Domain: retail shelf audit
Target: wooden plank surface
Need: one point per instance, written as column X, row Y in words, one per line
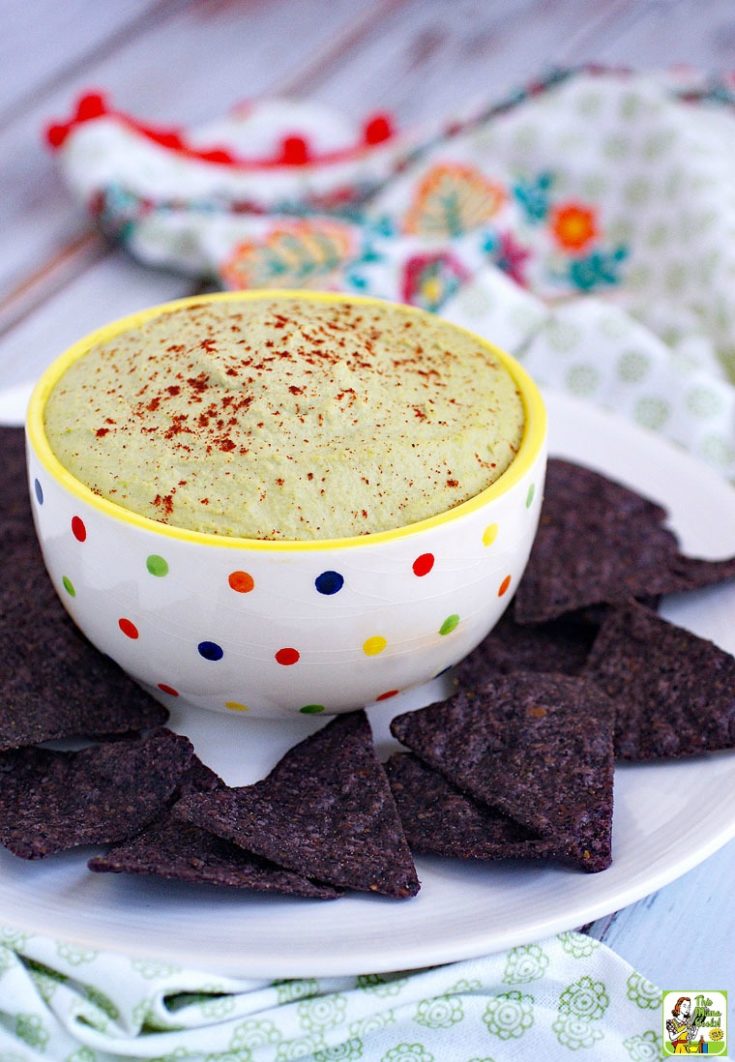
column 189, row 60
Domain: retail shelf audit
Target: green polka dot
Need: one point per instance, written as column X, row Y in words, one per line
column 68, row 586
column 583, row 379
column 156, row 565
column 312, row 709
column 652, row 412
column 658, row 234
column 637, row 191
column 449, row 624
column 529, row 496
column 616, row 147
column 717, row 448
column 633, row 366
column 703, row 402
column 562, row 336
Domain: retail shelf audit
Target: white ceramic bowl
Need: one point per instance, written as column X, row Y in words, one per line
column 274, row 628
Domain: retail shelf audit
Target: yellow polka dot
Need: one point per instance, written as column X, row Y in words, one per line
column 235, row 706
column 374, row 645
column 489, row 534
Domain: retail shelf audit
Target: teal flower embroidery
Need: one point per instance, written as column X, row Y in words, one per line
column 524, row 964
column 440, row 1013
column 509, row 1015
column 322, row 1013
column 644, row 1048
column 408, row 1053
column 585, row 999
column 251, row 1034
column 597, row 270
column 641, row 992
column 288, row 991
column 532, row 196
column 574, row 1032
column 30, row 1029
column 346, row 1052
column 577, row 944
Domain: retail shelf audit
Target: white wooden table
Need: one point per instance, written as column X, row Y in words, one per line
column 190, row 60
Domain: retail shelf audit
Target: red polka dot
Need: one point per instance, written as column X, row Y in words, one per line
column 423, row 564
column 504, row 586
column 78, row 529
column 288, row 656
column 168, row 689
column 129, row 629
column 242, row 582
column 386, row 696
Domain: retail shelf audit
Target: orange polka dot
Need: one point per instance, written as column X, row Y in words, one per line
column 241, row 582
column 503, row 588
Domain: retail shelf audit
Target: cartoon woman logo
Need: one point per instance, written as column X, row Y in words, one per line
column 682, row 1030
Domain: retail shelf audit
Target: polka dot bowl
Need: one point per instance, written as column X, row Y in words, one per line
column 277, row 628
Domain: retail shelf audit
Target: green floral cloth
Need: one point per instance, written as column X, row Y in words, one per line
column 566, row 996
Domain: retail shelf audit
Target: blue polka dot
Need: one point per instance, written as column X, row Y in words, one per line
column 443, row 671
column 210, row 650
column 39, row 491
column 329, row 582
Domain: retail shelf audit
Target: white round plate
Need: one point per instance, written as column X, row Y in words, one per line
column 668, row 816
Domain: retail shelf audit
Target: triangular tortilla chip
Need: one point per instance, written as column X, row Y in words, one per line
column 674, row 692
column 51, row 801
column 536, row 747
column 175, row 850
column 325, row 810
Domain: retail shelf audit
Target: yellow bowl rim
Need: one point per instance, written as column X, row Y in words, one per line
column 532, row 441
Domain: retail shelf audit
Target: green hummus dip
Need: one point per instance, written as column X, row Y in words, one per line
column 283, row 418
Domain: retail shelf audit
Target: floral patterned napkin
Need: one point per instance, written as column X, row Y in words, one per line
column 585, row 223
column 539, row 1001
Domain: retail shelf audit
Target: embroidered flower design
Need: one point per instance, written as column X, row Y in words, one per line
column 287, row 991
column 509, row 1015
column 573, row 225
column 577, row 944
column 525, row 964
column 584, row 998
column 440, row 1013
column 574, row 1032
column 430, row 279
column 644, row 1048
column 301, row 253
column 30, row 1029
column 252, row 1033
column 408, row 1053
column 381, row 984
column 322, row 1012
column 599, row 269
column 346, row 1052
column 532, row 196
column 452, row 199
column 377, row 1021
column 642, row 992
column 507, row 254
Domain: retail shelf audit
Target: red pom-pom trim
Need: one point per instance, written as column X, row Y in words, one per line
column 294, row 151
column 377, row 129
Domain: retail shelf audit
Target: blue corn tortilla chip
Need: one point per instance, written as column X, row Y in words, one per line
column 51, row 801
column 325, row 811
column 438, row 819
column 561, row 646
column 537, row 747
column 674, row 692
column 601, row 543
column 175, row 850
column 55, row 684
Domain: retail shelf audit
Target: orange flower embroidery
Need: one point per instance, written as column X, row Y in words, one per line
column 573, row 225
column 452, row 199
column 293, row 254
